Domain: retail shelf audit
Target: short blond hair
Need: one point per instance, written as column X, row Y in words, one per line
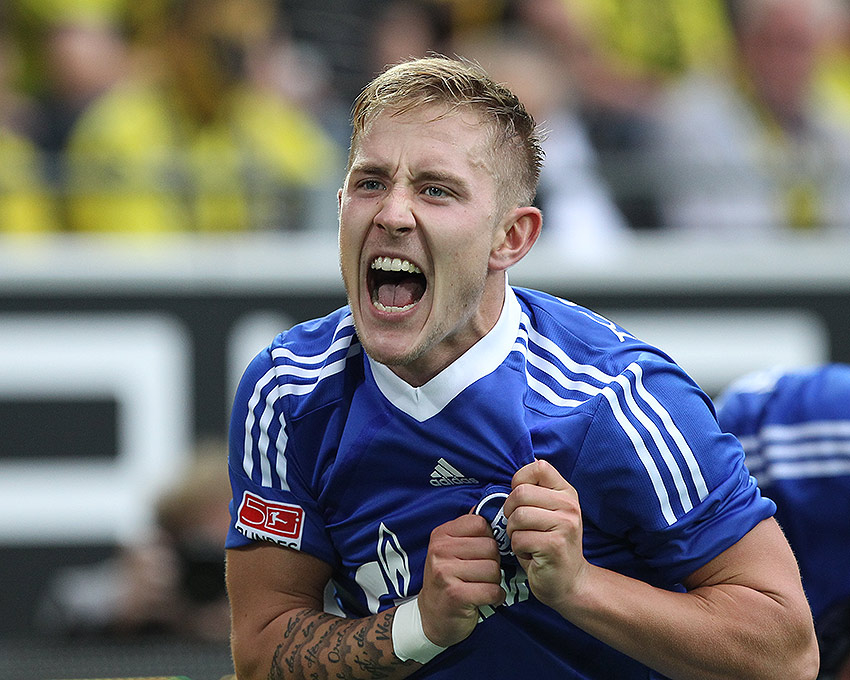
column 460, row 84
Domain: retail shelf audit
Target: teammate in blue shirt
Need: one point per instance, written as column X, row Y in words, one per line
column 794, row 426
column 451, row 477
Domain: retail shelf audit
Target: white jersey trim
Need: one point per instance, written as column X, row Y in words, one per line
column 799, row 451
column 632, row 417
column 313, row 369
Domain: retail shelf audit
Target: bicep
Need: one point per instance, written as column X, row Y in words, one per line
column 754, row 589
column 762, row 560
column 264, row 583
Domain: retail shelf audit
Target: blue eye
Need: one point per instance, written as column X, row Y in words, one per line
column 371, row 185
column 435, row 192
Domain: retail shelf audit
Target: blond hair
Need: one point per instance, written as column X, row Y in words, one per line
column 460, row 84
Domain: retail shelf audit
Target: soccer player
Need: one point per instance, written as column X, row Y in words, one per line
column 794, row 426
column 371, row 449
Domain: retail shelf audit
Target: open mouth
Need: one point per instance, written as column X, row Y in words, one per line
column 395, row 285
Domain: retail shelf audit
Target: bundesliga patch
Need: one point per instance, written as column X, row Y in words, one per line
column 264, row 520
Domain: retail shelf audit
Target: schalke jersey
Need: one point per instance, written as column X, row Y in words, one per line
column 333, row 454
column 795, row 429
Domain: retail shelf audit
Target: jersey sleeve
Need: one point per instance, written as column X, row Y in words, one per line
column 271, row 500
column 657, row 472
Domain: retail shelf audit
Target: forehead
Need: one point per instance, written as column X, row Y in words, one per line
column 430, row 135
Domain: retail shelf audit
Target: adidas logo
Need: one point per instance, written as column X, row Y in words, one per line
column 445, row 474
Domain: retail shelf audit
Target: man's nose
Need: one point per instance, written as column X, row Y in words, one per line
column 396, row 214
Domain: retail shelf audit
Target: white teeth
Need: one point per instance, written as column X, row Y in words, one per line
column 395, row 264
column 384, row 308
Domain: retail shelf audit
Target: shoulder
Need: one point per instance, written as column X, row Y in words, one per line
column 785, row 396
column 576, row 360
column 128, row 112
column 304, row 361
column 288, row 135
column 317, row 340
column 586, row 337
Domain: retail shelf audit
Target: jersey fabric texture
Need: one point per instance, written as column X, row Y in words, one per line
column 333, row 454
column 795, row 429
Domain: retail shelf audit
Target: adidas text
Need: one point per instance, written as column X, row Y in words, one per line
column 452, row 481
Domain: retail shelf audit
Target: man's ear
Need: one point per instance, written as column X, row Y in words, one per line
column 515, row 238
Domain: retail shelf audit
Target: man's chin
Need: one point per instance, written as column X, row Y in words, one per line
column 387, row 341
column 394, row 357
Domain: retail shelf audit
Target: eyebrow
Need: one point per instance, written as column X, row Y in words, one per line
column 438, row 176
column 369, row 169
column 441, row 176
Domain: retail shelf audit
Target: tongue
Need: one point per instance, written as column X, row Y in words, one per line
column 399, row 294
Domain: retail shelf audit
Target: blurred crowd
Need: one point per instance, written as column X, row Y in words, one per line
column 718, row 118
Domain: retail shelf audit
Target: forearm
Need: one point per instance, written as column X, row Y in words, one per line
column 305, row 643
column 744, row 617
column 719, row 632
column 280, row 631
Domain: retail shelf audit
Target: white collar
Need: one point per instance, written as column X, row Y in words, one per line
column 481, row 359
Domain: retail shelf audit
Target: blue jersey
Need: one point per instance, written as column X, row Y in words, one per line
column 331, row 453
column 795, row 429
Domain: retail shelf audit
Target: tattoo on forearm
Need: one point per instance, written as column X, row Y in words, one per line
column 383, row 629
column 329, row 647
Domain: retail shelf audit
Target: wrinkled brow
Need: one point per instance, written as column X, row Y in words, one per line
column 431, row 175
column 369, row 169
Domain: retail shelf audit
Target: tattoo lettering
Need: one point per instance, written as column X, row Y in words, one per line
column 276, row 672
column 329, row 647
column 360, row 637
column 383, row 630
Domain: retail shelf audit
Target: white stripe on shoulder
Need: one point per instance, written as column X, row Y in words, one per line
column 248, row 446
column 542, row 363
column 674, row 432
column 556, row 351
column 592, row 381
column 280, row 458
column 631, row 432
column 634, row 413
column 643, row 454
column 658, row 440
column 549, row 394
column 810, row 429
column 558, row 376
column 277, row 389
column 799, row 450
column 338, row 343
